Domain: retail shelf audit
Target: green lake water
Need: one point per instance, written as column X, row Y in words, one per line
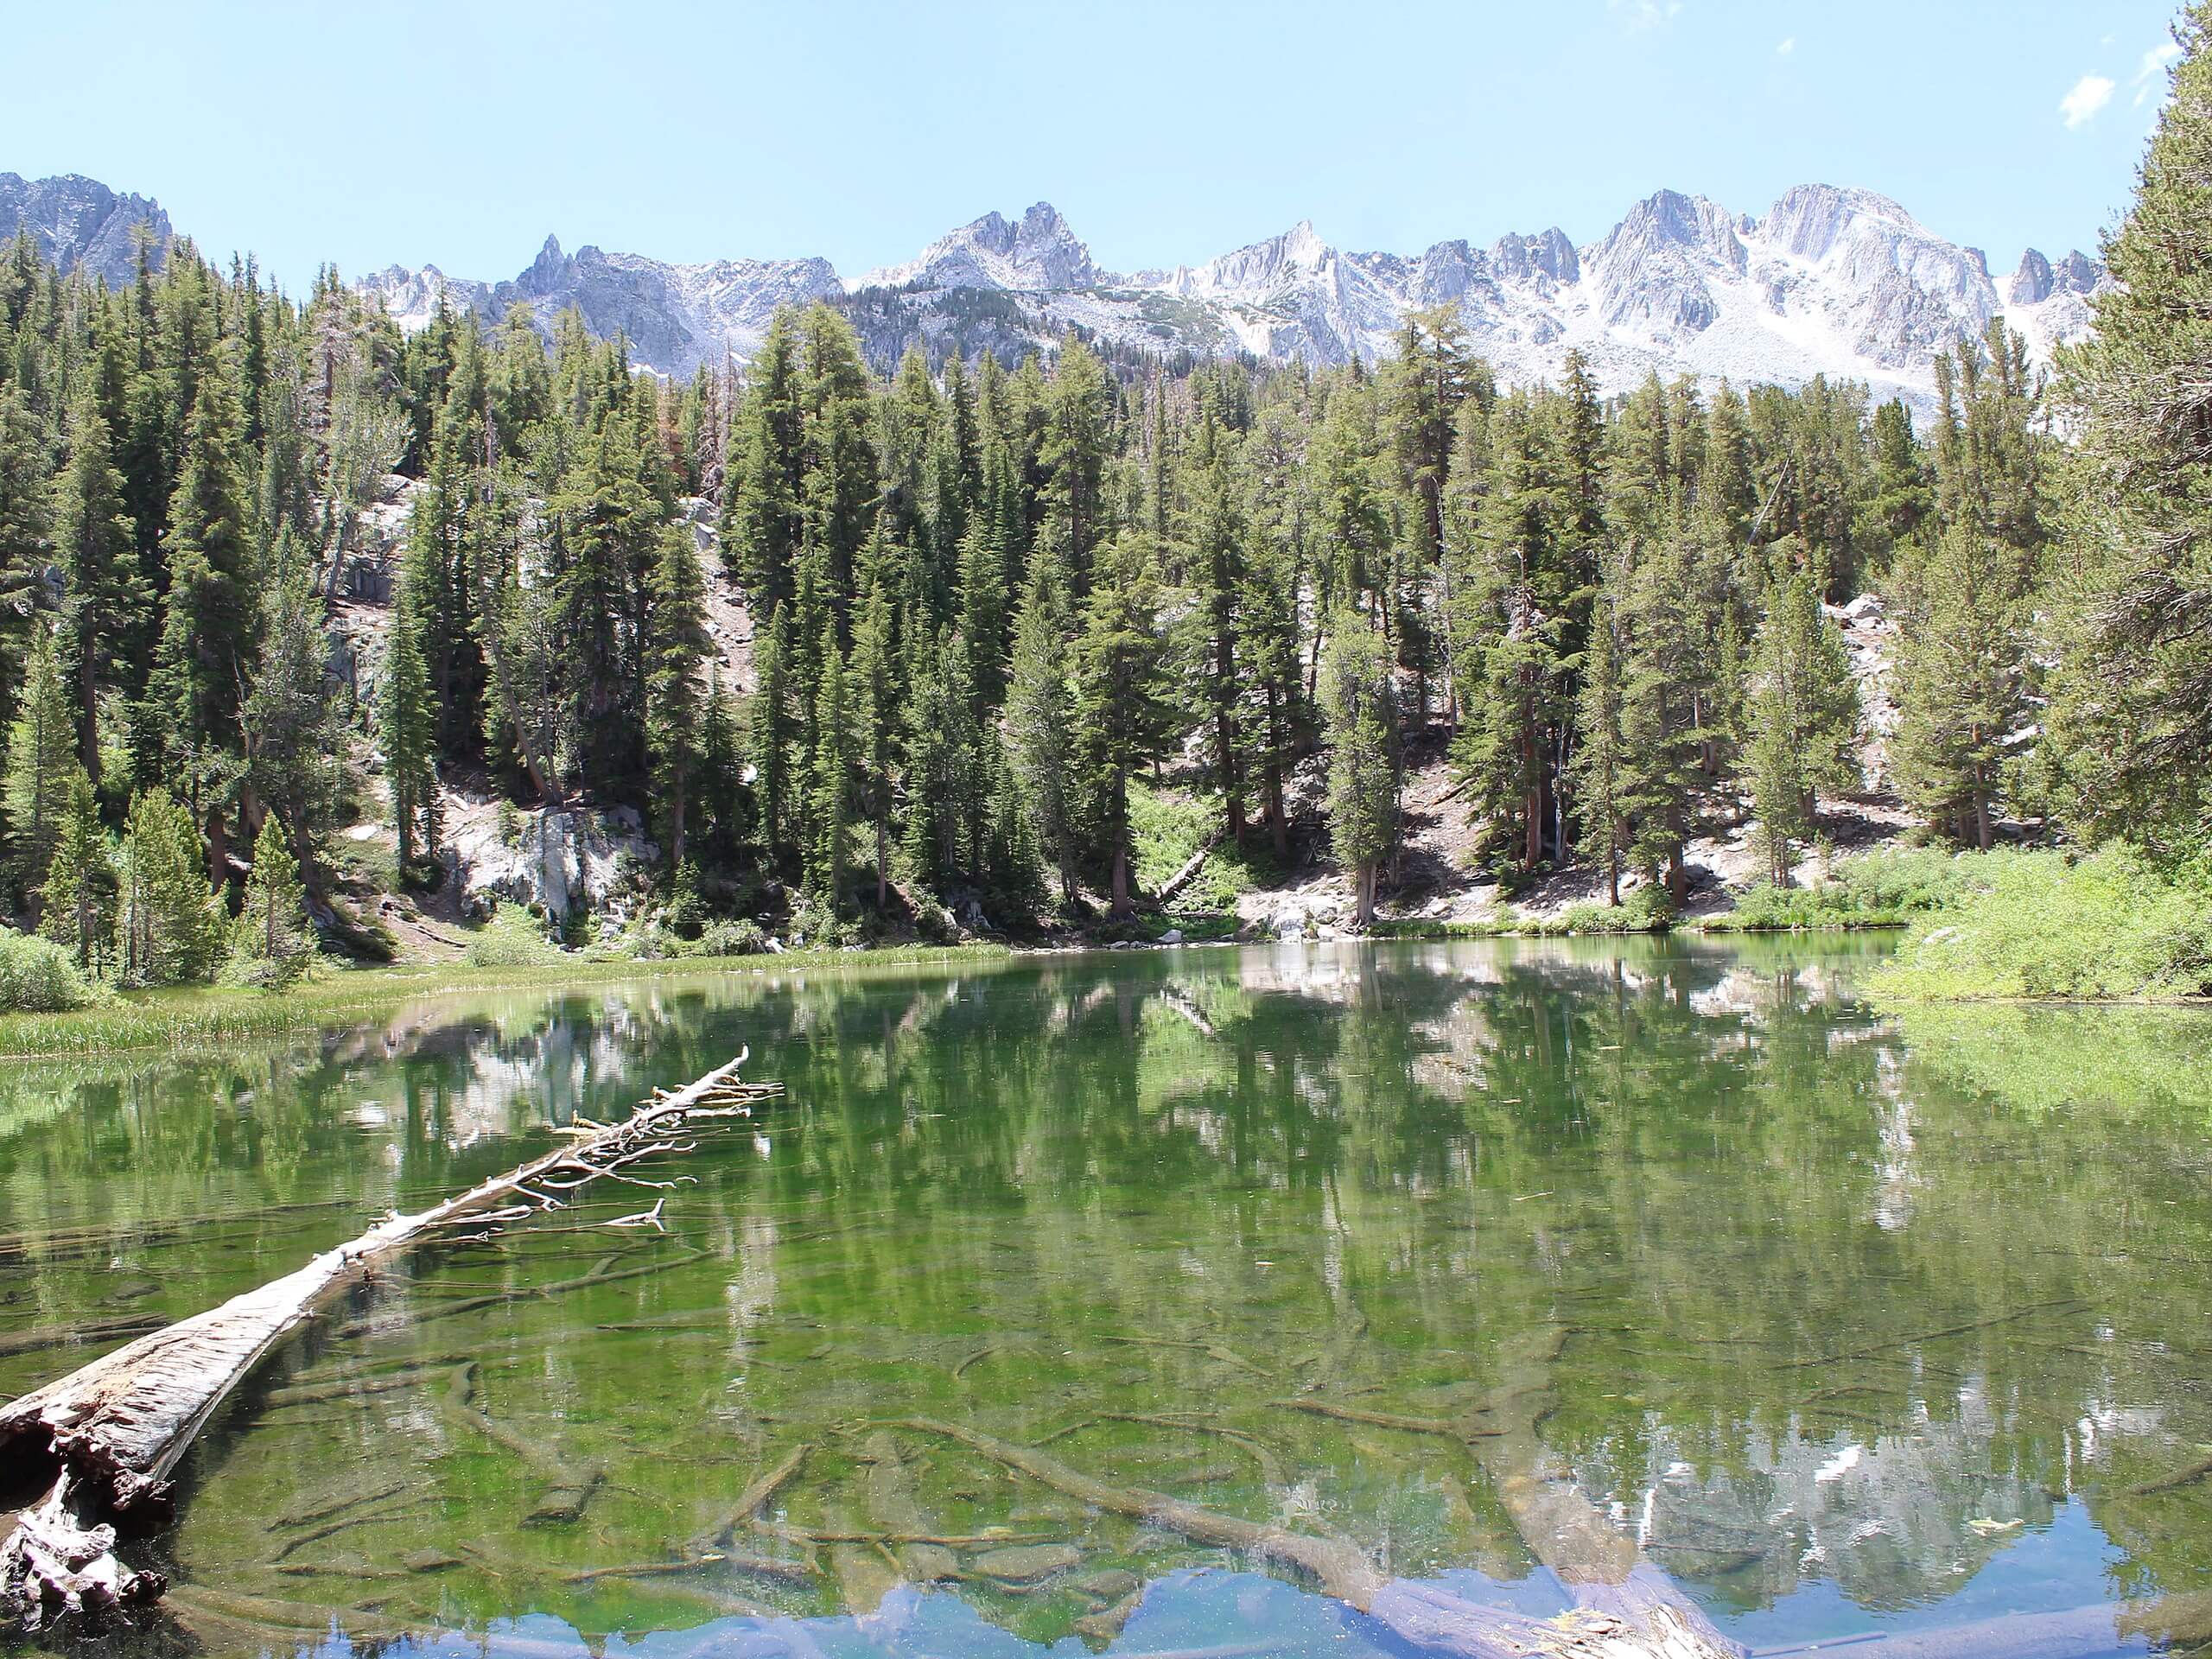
column 1854, row 1325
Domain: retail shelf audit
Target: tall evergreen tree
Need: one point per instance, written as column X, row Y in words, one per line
column 1123, row 713
column 106, row 601
column 1803, row 720
column 2135, row 577
column 41, row 762
column 1040, row 724
column 168, row 923
column 1600, row 757
column 78, row 902
column 677, row 709
column 828, row 783
column 405, row 724
column 1363, row 768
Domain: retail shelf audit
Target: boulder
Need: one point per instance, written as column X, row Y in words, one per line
column 559, row 860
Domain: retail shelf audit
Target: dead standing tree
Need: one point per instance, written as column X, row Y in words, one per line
column 114, row 1430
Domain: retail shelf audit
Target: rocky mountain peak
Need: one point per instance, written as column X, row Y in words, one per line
column 79, row 222
column 1808, row 220
column 1521, row 258
column 1038, row 253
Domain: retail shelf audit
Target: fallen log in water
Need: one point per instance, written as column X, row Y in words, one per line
column 1625, row 1608
column 1340, row 1569
column 115, row 1429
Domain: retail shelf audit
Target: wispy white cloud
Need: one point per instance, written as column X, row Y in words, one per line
column 1786, row 47
column 2090, row 94
column 1636, row 16
column 2149, row 77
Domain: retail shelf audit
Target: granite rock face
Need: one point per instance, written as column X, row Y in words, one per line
column 81, row 224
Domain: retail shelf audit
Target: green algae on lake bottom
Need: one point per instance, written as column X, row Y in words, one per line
column 1848, row 1334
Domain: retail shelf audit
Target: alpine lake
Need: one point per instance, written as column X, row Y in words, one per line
column 1859, row 1324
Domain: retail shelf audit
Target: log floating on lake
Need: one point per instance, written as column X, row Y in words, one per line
column 114, row 1430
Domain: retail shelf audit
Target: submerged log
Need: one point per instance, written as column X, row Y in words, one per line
column 1625, row 1608
column 1340, row 1569
column 115, row 1429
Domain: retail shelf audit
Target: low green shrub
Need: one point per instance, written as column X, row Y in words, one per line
column 39, row 976
column 2116, row 924
column 815, row 926
column 512, row 938
column 1645, row 911
column 733, row 937
column 1885, row 888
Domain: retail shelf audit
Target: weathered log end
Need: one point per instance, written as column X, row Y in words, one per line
column 55, row 1566
column 1432, row 1616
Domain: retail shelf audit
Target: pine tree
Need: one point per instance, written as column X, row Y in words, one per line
column 2135, row 580
column 78, row 903
column 723, row 791
column 24, row 510
column 1961, row 680
column 1041, row 732
column 1803, row 718
column 206, row 630
column 1669, row 654
column 829, row 784
column 1213, row 532
column 41, row 761
column 272, row 939
column 107, row 600
column 1362, row 736
column 1123, row 713
column 874, row 692
column 771, row 735
column 676, row 709
column 405, row 724
column 169, row 923
column 293, row 736
column 1600, row 755
column 761, row 523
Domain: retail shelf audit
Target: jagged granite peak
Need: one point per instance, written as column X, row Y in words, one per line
column 1037, row 253
column 78, row 222
column 675, row 317
column 2036, row 279
column 1654, row 270
column 1521, row 258
column 1807, row 220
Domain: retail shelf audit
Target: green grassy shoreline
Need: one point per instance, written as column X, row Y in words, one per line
column 202, row 1016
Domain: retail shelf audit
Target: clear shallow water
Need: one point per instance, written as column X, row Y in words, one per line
column 1854, row 1328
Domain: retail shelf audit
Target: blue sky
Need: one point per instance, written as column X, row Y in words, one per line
column 461, row 134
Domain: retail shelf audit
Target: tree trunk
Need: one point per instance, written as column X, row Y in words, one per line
column 218, row 850
column 1121, row 908
column 88, row 734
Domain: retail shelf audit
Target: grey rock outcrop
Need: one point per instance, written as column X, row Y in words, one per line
column 558, row 860
column 79, row 223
